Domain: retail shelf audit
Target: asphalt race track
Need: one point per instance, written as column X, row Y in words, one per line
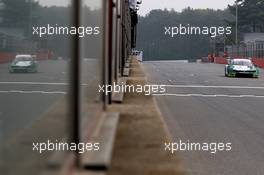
column 24, row 97
column 202, row 105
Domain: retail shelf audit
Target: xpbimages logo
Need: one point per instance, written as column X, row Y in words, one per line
column 181, row 29
column 146, row 89
column 63, row 30
column 64, row 146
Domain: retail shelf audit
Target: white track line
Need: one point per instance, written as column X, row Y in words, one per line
column 37, row 83
column 34, row 83
column 33, row 92
column 210, row 95
column 215, row 87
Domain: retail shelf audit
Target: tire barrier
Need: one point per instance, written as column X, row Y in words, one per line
column 257, row 61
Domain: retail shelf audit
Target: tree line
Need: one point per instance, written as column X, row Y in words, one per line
column 157, row 46
column 25, row 14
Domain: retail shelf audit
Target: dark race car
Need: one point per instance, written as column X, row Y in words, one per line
column 241, row 67
column 23, row 63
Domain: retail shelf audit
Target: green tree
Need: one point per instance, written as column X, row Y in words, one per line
column 250, row 15
column 157, row 45
column 19, row 13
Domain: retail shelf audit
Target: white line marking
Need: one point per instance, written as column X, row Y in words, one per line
column 35, row 83
column 167, row 61
column 39, row 83
column 216, row 87
column 210, row 95
column 34, row 92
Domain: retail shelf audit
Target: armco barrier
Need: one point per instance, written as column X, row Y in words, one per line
column 42, row 56
column 257, row 61
column 220, row 60
column 7, row 57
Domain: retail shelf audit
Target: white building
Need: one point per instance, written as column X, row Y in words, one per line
column 253, row 37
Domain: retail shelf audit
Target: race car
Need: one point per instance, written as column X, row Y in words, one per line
column 240, row 67
column 23, row 63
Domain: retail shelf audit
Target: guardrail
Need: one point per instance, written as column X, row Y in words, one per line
column 7, row 57
column 257, row 61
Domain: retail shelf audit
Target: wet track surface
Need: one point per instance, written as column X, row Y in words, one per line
column 202, row 105
column 25, row 97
